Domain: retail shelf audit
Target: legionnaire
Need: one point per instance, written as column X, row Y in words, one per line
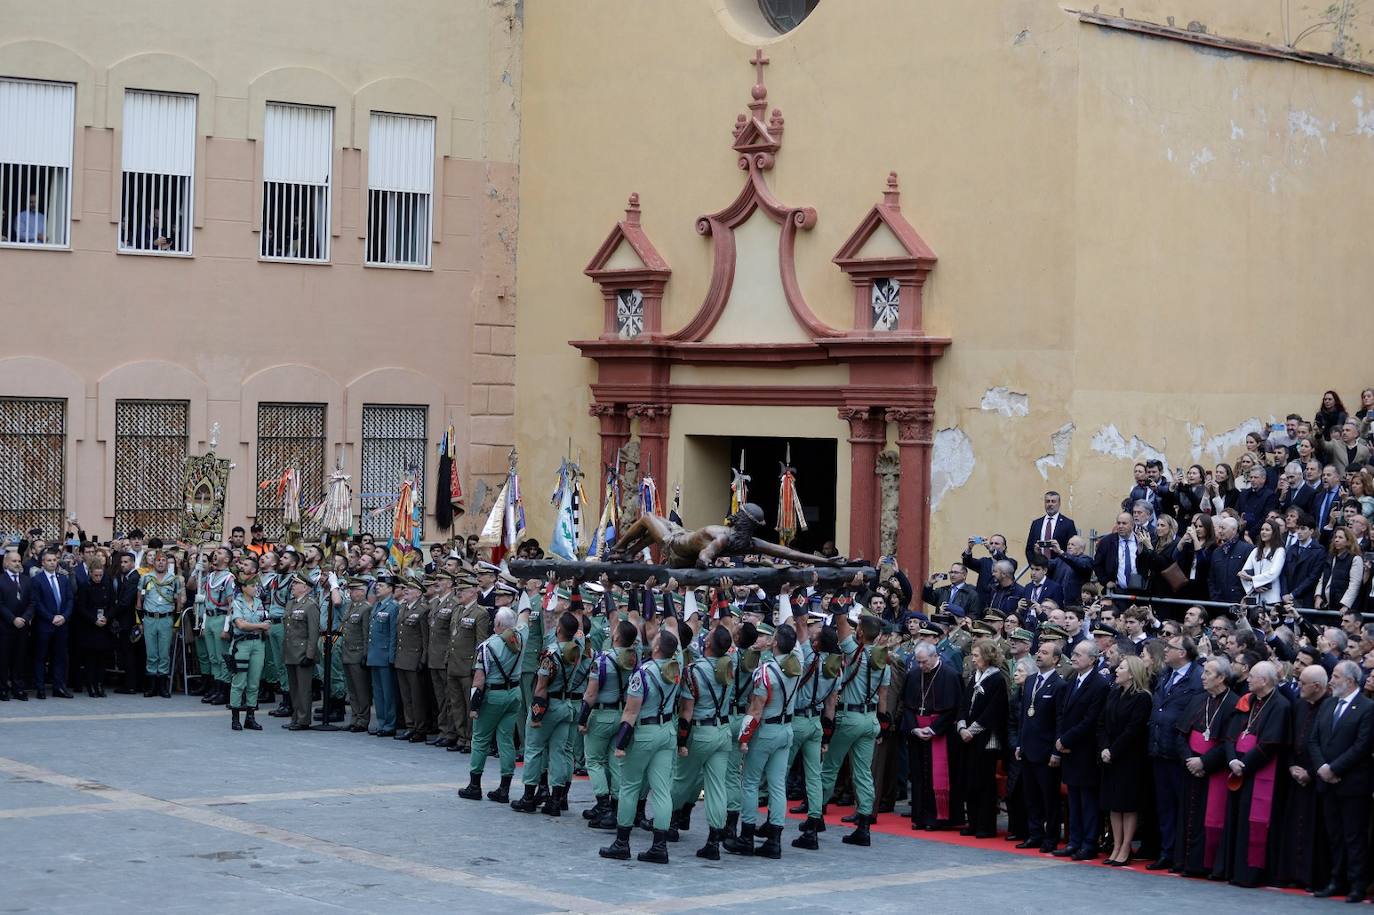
column 300, row 642
column 410, row 647
column 746, row 661
column 330, row 599
column 645, row 741
column 469, row 627
column 766, row 735
column 495, row 702
column 273, row 595
column 703, row 738
column 381, row 654
column 599, row 719
column 217, row 585
column 352, row 649
column 555, row 604
column 813, row 722
column 441, row 606
column 248, row 625
column 858, row 724
column 551, row 716
column 161, row 596
column 276, row 611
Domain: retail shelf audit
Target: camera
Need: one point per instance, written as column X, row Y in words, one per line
column 976, row 540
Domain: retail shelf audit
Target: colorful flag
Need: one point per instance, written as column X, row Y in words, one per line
column 563, row 542
column 404, row 545
column 791, row 517
column 448, row 502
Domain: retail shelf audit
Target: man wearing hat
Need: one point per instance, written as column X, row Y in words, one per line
column 410, row 651
column 486, row 584
column 218, row 587
column 273, row 593
column 352, row 647
column 858, row 726
column 300, row 643
column 703, row 740
column 469, row 627
column 558, row 600
column 495, row 702
column 813, row 721
column 330, row 599
column 442, row 604
column 381, row 653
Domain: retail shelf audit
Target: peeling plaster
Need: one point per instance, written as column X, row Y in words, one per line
column 1060, row 441
column 1219, row 447
column 1237, row 132
column 951, row 463
column 1110, row 441
column 1305, row 123
column 1005, row 401
column 1364, row 120
column 1201, row 158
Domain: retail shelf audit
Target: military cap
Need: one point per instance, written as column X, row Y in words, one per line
column 764, row 628
column 295, row 577
column 486, row 568
column 562, row 593
column 993, row 615
column 982, row 628
column 1104, row 629
column 1021, row 635
column 1052, row 632
column 355, row 581
column 928, row 629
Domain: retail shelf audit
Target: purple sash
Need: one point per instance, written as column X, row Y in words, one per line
column 1261, row 803
column 939, row 768
column 1214, row 817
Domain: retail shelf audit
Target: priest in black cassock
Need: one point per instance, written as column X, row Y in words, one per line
column 1201, row 734
column 1257, row 746
column 931, row 697
column 1304, row 857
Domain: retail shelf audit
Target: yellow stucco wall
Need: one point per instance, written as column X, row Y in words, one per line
column 1140, row 236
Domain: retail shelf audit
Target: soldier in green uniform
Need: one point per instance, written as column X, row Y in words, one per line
column 248, row 625
column 703, row 738
column 442, row 604
column 300, row 642
column 160, row 598
column 858, row 724
column 813, row 723
column 273, row 673
column 330, row 599
column 352, row 650
column 766, row 735
column 645, row 742
column 551, row 715
column 469, row 627
column 495, row 702
column 410, row 648
column 746, row 660
column 276, row 612
column 599, row 719
column 217, row 585
column 529, row 660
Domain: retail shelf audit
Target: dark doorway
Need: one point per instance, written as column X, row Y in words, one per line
column 814, row 463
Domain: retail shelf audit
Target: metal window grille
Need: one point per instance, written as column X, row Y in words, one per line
column 298, row 156
column 290, row 435
column 150, row 461
column 159, row 156
column 786, row 15
column 36, row 125
column 394, row 440
column 400, row 182
column 32, row 464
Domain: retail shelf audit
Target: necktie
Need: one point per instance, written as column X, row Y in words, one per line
column 1340, row 709
column 1047, row 533
column 56, row 591
column 1123, row 572
column 1292, row 539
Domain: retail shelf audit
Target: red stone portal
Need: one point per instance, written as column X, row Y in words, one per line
column 890, row 358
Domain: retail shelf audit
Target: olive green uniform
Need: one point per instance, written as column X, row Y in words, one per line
column 610, row 669
column 499, row 662
column 300, row 642
column 774, row 681
column 436, row 659
column 469, row 627
column 856, row 722
column 246, row 651
column 710, row 682
column 819, row 680
column 649, row 757
column 352, row 652
column 410, row 647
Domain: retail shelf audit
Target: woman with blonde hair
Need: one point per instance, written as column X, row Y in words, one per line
column 1122, row 742
column 982, row 728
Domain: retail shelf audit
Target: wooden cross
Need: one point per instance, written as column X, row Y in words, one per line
column 759, row 62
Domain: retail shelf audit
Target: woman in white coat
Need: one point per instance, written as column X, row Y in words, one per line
column 1260, row 577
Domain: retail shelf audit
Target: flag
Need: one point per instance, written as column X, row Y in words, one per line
column 404, row 545
column 563, row 542
column 648, row 496
column 579, row 499
column 739, row 486
column 605, row 534
column 791, row 517
column 448, row 500
column 673, row 514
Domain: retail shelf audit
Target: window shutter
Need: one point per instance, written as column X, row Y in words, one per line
column 400, row 155
column 159, row 133
column 298, row 144
column 36, row 121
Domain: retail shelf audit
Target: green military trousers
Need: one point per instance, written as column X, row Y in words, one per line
column 806, row 742
column 603, row 766
column 496, row 723
column 214, row 647
column 767, row 758
column 157, row 642
column 708, row 755
column 273, row 670
column 855, row 733
column 248, row 656
column 648, row 759
column 547, row 746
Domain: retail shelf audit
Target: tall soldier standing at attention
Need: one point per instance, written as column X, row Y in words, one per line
column 248, row 624
column 218, row 587
column 161, row 596
column 441, row 607
column 858, row 724
column 381, row 654
column 353, row 654
column 645, row 742
column 272, row 591
column 300, row 641
column 410, row 646
column 469, row 627
column 495, row 702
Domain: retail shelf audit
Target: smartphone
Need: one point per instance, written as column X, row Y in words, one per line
column 977, row 540
column 1046, row 543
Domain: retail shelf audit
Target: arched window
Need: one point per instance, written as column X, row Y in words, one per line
column 786, row 15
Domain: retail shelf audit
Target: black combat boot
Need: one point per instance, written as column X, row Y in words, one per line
column 642, row 821
column 744, row 845
column 620, row 848
column 731, row 820
column 150, row 690
column 658, row 852
column 234, row 724
column 860, row 834
column 553, row 807
column 772, row 842
column 594, row 812
column 220, row 696
column 808, row 838
column 251, row 721
column 283, row 709
column 164, row 687
column 203, row 689
column 502, row 794
column 711, row 850
column 607, row 819
column 526, row 804
column 473, row 792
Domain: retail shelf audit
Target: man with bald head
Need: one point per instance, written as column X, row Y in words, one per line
column 1303, row 859
column 1340, row 748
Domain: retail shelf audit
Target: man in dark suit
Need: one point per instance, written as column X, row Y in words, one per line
column 1255, row 503
column 1040, row 588
column 16, row 621
column 1302, row 492
column 1037, row 733
column 1340, row 747
column 1228, row 559
column 1303, row 561
column 52, row 597
column 960, row 596
column 982, row 567
column 1076, row 754
column 1050, row 526
column 1174, row 691
column 129, row 655
column 1118, row 561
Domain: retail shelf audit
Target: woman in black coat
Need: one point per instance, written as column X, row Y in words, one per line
column 982, row 729
column 1122, row 740
column 93, row 609
column 1194, row 556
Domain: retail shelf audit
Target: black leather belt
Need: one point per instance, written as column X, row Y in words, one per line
column 657, row 719
column 248, row 637
column 778, row 719
column 499, row 688
column 860, row 707
column 559, row 695
column 216, row 613
column 711, row 722
column 615, row 704
column 807, row 713
column 157, row 616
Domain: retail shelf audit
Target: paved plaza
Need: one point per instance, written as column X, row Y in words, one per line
column 127, row 804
